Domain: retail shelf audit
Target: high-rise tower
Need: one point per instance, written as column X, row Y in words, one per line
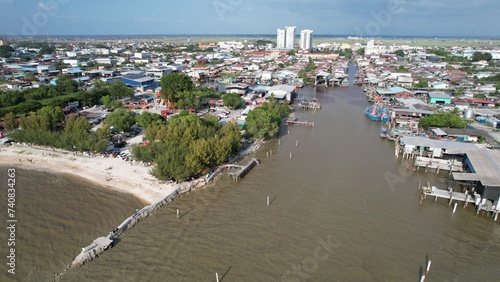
column 306, row 39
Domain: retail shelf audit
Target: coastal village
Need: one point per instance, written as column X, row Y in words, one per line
column 403, row 84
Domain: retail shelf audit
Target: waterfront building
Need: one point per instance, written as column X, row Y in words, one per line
column 289, row 37
column 306, row 39
column 481, row 172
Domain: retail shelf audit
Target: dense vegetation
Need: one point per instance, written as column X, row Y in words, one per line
column 23, row 102
column 187, row 146
column 76, row 136
column 264, row 121
column 233, row 100
column 448, row 120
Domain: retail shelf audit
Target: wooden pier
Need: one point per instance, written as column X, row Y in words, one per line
column 438, row 164
column 238, row 171
column 294, row 120
column 432, row 191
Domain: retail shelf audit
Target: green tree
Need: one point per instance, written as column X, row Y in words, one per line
column 65, row 84
column 118, row 90
column 310, row 65
column 9, row 121
column 199, row 157
column 233, row 100
column 121, row 119
column 173, row 84
column 291, row 52
column 106, row 101
column 422, row 82
column 6, row 51
column 146, row 119
column 187, row 99
column 448, row 120
column 400, row 53
column 46, row 49
column 478, row 56
column 260, row 124
column 360, row 51
column 52, row 114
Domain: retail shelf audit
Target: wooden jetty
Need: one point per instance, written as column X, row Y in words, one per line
column 438, row 164
column 432, row 191
column 309, row 104
column 238, row 171
column 293, row 120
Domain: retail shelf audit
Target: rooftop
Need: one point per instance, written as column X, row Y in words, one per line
column 485, row 164
column 431, row 143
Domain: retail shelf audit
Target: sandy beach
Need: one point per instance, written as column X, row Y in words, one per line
column 113, row 173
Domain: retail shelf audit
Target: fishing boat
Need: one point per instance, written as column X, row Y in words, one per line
column 383, row 132
column 378, row 112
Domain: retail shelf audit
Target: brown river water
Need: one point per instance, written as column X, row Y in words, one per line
column 343, row 208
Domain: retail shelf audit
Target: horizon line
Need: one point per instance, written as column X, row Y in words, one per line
column 253, row 35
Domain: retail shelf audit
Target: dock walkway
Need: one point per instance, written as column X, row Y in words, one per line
column 294, row 120
column 438, row 164
column 447, row 194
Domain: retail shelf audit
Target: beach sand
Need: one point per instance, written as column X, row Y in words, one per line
column 113, row 173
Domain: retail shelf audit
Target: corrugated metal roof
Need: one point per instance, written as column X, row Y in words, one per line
column 485, row 163
column 432, row 143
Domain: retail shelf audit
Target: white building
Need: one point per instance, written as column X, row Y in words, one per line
column 231, row 45
column 289, row 37
column 306, row 39
column 374, row 49
column 280, row 39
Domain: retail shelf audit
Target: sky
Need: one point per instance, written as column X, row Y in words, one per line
column 368, row 18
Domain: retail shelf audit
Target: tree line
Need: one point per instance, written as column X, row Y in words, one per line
column 46, row 127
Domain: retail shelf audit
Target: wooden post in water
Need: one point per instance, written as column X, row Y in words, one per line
column 290, row 155
column 451, row 196
column 466, row 198
column 428, row 267
column 177, row 213
column 454, row 207
column 297, row 143
column 270, row 152
column 267, row 154
column 216, row 276
column 268, row 200
column 279, row 142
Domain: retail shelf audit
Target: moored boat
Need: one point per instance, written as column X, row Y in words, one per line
column 383, row 132
column 378, row 112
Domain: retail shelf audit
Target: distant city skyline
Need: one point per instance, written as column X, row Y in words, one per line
column 448, row 18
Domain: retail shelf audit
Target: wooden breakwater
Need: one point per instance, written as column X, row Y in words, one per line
column 101, row 244
column 238, row 171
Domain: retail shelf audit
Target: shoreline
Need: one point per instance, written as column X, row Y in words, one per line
column 106, row 172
